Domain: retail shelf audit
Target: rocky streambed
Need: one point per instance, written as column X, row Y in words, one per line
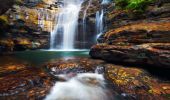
column 20, row 81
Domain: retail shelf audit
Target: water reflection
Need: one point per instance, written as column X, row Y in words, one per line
column 39, row 57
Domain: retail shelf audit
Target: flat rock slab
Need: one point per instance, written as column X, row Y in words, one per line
column 155, row 54
column 75, row 65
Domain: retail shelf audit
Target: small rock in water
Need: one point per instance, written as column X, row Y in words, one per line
column 99, row 70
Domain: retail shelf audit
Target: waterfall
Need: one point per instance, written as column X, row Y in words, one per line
column 84, row 20
column 63, row 35
column 100, row 18
column 99, row 22
column 105, row 1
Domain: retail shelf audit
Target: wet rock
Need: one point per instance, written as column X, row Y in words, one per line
column 143, row 43
column 156, row 54
column 123, row 82
column 29, row 83
column 9, row 68
column 155, row 32
column 137, row 84
column 73, row 65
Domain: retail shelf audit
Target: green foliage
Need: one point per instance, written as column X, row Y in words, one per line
column 133, row 5
column 121, row 4
column 19, row 2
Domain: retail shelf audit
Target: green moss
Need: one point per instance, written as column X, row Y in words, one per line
column 133, row 5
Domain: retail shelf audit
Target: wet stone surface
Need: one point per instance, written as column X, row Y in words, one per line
column 77, row 65
column 137, row 84
column 29, row 84
column 123, row 82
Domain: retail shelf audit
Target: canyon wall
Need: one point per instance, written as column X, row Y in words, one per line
column 136, row 38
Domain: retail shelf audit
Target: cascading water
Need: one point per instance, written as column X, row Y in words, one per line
column 66, row 25
column 105, row 1
column 63, row 36
column 99, row 22
column 84, row 86
column 100, row 19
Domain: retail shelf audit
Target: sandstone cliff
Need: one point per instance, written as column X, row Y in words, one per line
column 136, row 39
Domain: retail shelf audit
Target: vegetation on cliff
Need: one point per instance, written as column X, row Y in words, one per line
column 134, row 8
column 133, row 5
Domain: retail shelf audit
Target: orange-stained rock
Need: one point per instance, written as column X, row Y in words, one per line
column 144, row 32
column 135, row 83
column 141, row 43
column 29, row 83
column 125, row 82
column 75, row 65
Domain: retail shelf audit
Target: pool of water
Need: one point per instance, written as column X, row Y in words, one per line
column 40, row 57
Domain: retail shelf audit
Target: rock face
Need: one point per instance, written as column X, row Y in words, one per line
column 26, row 24
column 32, row 21
column 5, row 5
column 143, row 41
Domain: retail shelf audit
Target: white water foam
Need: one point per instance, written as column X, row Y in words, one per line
column 84, row 86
